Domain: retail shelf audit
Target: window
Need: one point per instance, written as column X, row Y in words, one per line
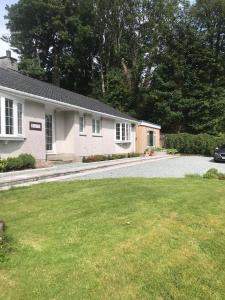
column 81, row 124
column 96, row 126
column 9, row 129
column 11, row 118
column 117, row 131
column 123, row 131
column 151, row 139
column 20, row 118
column 49, row 132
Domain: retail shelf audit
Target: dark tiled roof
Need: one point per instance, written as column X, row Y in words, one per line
column 17, row 81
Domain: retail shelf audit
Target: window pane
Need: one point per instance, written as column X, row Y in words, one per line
column 49, row 132
column 128, row 132
column 8, row 116
column 81, row 124
column 98, row 126
column 93, row 125
column 117, row 131
column 123, row 131
column 20, row 118
column 151, row 138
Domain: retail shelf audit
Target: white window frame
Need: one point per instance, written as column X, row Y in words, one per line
column 94, row 126
column 83, row 120
column 125, row 132
column 15, row 135
column 52, row 113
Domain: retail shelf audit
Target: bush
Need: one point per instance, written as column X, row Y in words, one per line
column 23, row 161
column 3, row 165
column 94, row 158
column 211, row 174
column 171, row 151
column 203, row 144
column 28, row 161
column 14, row 163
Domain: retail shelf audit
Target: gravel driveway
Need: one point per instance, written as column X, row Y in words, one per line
column 176, row 167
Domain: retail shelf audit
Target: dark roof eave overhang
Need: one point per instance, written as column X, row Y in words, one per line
column 62, row 104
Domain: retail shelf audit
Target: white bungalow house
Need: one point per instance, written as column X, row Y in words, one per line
column 50, row 122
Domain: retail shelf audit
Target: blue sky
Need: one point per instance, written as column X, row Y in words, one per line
column 3, row 3
column 4, row 46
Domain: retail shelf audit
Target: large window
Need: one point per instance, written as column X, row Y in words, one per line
column 11, row 117
column 123, row 132
column 96, row 126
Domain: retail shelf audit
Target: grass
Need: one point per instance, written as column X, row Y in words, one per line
column 115, row 239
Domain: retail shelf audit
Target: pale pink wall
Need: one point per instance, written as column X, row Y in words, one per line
column 34, row 142
column 88, row 144
column 68, row 140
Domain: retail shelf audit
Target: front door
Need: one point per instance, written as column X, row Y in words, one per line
column 49, row 132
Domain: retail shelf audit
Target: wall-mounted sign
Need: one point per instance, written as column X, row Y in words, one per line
column 35, row 126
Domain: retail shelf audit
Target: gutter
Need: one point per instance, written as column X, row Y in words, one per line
column 61, row 104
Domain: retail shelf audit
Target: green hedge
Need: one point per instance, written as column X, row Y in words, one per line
column 203, row 144
column 23, row 161
column 93, row 158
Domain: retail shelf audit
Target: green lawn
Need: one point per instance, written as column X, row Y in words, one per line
column 115, row 239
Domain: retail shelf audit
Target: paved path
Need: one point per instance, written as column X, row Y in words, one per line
column 177, row 167
column 66, row 171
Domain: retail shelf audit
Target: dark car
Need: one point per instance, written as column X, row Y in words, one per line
column 219, row 154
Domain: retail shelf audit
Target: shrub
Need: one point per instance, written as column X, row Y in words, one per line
column 194, row 175
column 211, row 174
column 171, row 151
column 14, row 163
column 203, row 144
column 23, row 161
column 3, row 165
column 94, row 158
column 134, row 154
column 28, row 161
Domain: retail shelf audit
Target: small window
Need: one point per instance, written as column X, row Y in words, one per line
column 81, row 124
column 96, row 126
column 20, row 118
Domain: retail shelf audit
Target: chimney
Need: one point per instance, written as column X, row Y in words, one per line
column 8, row 62
column 8, row 53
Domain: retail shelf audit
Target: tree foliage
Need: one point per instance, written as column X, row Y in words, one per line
column 160, row 60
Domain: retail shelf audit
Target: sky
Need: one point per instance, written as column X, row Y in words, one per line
column 4, row 46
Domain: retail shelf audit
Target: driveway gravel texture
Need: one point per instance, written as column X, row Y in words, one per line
column 176, row 167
